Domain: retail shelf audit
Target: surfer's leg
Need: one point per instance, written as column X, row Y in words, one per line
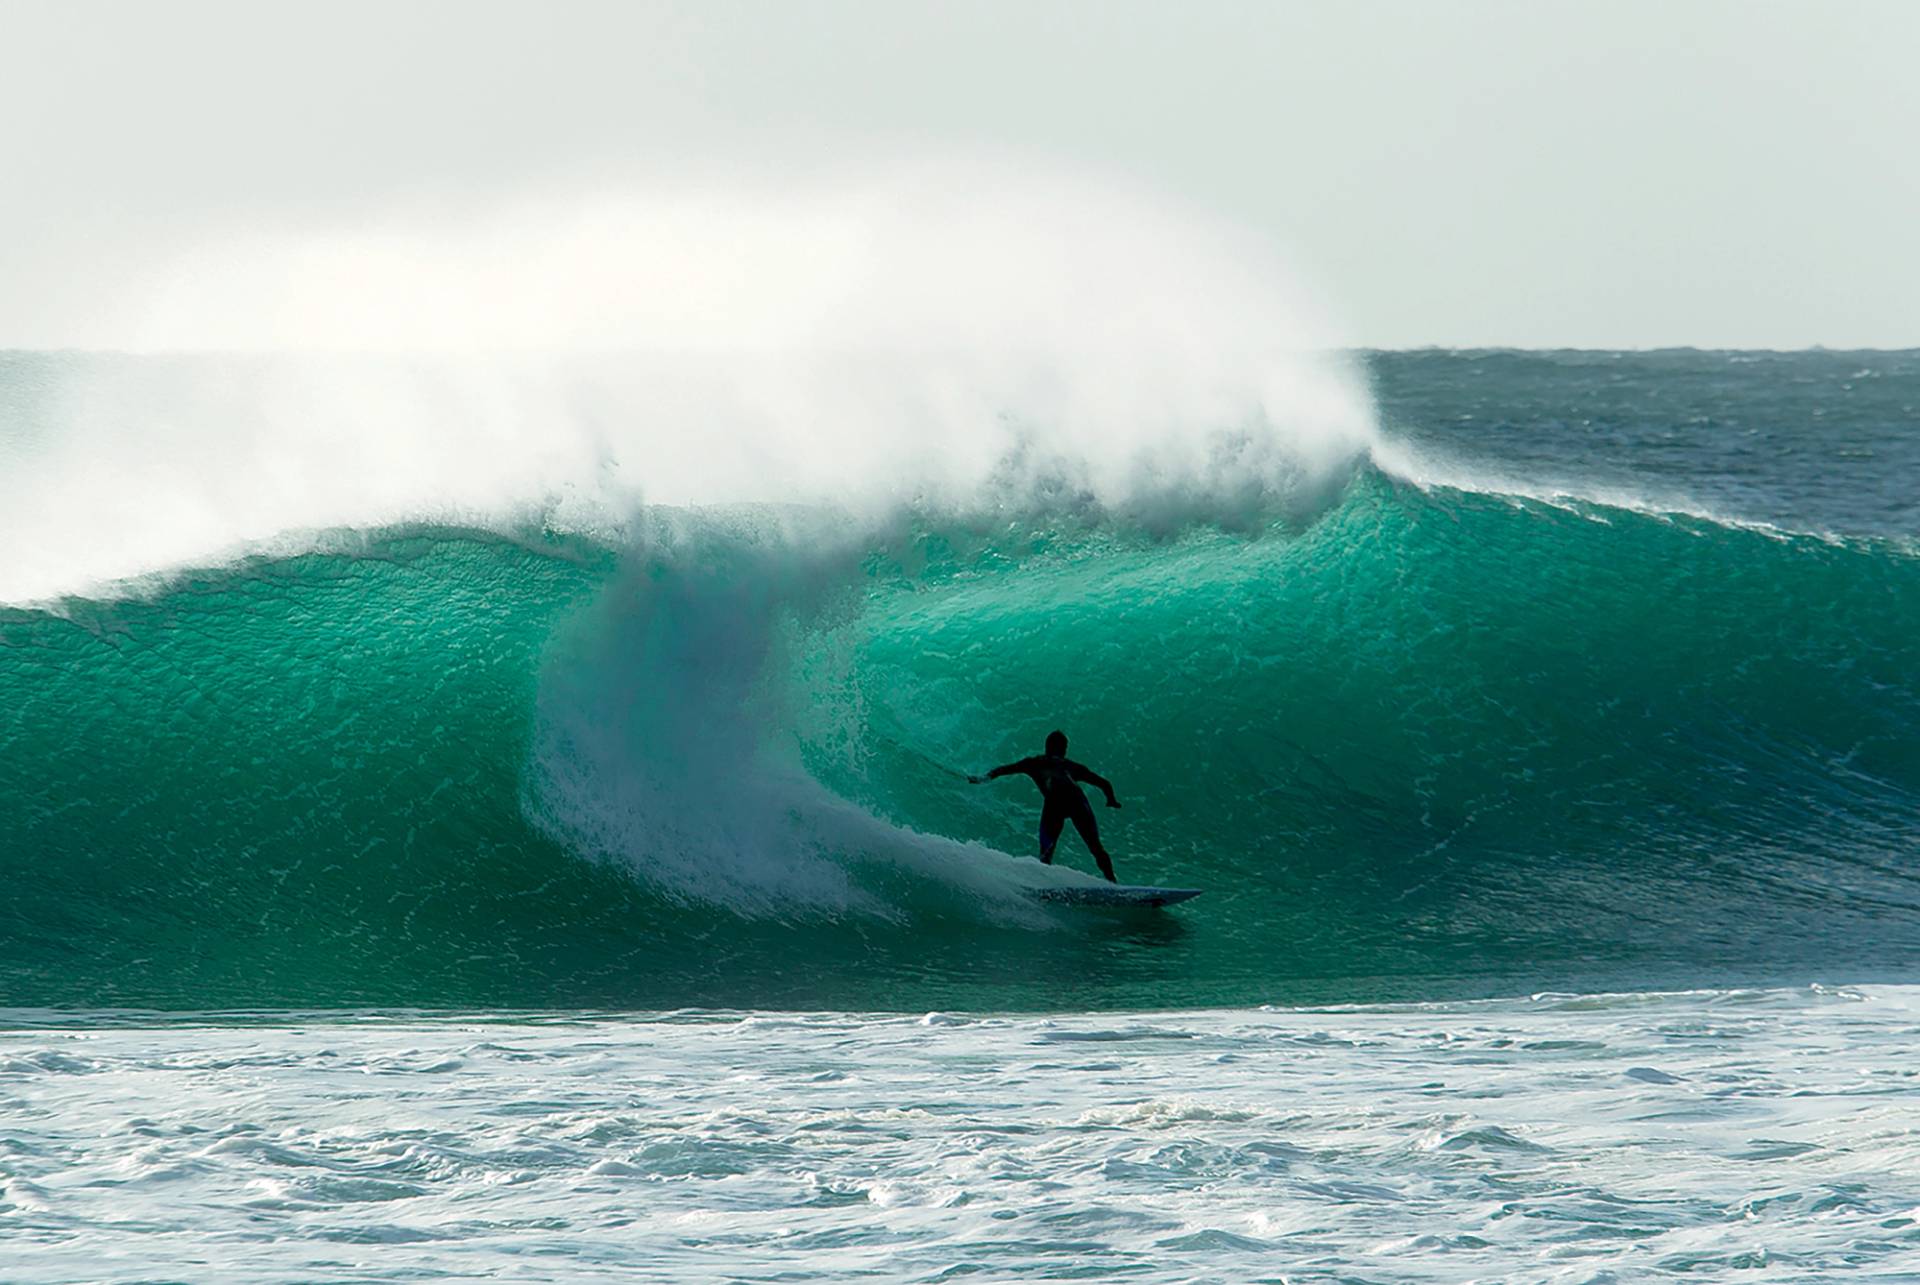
column 1052, row 821
column 1090, row 835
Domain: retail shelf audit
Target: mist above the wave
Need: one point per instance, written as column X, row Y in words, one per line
column 957, row 335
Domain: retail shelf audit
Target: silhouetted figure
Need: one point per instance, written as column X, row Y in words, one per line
column 1056, row 774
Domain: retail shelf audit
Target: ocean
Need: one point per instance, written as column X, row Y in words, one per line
column 514, row 878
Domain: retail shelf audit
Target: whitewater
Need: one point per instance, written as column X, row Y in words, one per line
column 1741, row 1135
column 484, row 712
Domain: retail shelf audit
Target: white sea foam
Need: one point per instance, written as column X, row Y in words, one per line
column 938, row 334
column 1434, row 1143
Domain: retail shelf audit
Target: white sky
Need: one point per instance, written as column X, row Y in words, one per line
column 1604, row 174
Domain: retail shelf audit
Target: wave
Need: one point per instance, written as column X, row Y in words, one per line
column 1425, row 739
column 953, row 335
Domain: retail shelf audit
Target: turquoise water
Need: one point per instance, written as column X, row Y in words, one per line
column 1418, row 739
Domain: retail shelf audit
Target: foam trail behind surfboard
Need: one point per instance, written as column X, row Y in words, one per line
column 1122, row 895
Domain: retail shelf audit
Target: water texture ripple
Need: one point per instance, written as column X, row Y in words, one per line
column 1706, row 1135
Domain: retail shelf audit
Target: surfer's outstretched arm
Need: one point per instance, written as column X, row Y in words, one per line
column 1005, row 769
column 1081, row 772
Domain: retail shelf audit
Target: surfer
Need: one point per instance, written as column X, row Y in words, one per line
column 1055, row 774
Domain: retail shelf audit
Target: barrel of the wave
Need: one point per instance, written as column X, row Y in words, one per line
column 1437, row 731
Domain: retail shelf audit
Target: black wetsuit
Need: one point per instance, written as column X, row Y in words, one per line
column 1064, row 802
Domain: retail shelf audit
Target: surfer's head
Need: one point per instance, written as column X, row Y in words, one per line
column 1057, row 744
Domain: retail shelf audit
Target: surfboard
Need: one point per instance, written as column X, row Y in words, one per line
column 1119, row 894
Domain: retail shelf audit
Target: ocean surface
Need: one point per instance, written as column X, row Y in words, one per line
column 1730, row 1135
column 579, row 878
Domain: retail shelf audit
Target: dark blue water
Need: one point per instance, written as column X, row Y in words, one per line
column 1813, row 441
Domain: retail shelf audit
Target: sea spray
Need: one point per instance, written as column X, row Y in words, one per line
column 659, row 742
column 948, row 336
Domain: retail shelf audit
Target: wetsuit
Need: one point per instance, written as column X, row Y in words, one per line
column 1063, row 802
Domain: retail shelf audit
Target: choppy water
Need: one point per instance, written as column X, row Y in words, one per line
column 1746, row 1135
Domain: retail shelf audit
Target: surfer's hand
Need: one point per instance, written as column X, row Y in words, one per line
column 976, row 780
column 1113, row 803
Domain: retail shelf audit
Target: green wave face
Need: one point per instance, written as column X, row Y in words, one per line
column 1443, row 735
column 1434, row 742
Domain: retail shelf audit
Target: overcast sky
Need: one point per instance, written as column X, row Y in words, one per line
column 1605, row 174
